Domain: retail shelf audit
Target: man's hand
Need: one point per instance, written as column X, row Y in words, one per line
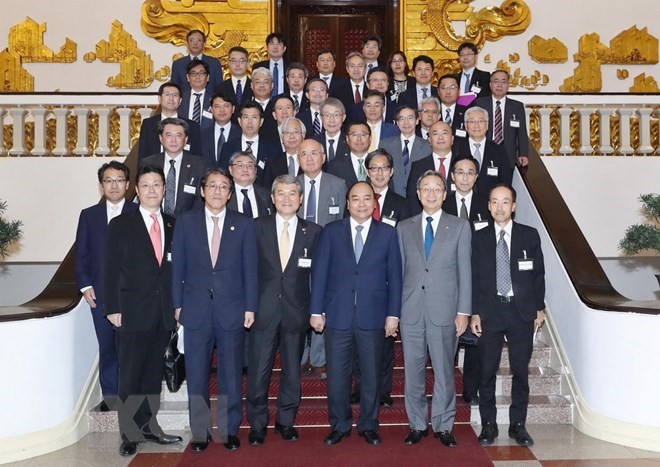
column 317, row 322
column 523, row 161
column 177, row 312
column 540, row 319
column 249, row 319
column 90, row 297
column 391, row 326
column 475, row 325
column 115, row 319
column 461, row 324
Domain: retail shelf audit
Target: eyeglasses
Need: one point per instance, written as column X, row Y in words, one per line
column 406, row 118
column 148, row 186
column 317, row 90
column 195, row 40
column 237, row 60
column 376, row 169
column 430, row 111
column 472, row 121
column 275, row 44
column 244, row 165
column 463, row 173
column 377, row 80
column 330, row 116
column 170, row 94
column 217, row 186
column 435, row 191
column 112, row 181
column 197, row 73
column 453, row 87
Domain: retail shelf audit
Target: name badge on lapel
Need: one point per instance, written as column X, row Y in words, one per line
column 492, row 170
column 525, row 264
column 476, row 88
column 304, row 261
column 515, row 123
column 334, row 209
column 480, row 224
column 261, row 164
column 389, row 220
column 169, row 257
column 460, row 132
column 207, row 114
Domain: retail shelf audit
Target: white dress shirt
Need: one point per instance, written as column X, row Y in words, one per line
column 209, row 225
column 251, row 197
column 202, row 100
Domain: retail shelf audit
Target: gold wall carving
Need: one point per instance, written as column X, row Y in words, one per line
column 633, row 46
column 547, row 50
column 643, row 83
column 517, row 79
column 27, row 40
column 622, row 73
column 15, row 78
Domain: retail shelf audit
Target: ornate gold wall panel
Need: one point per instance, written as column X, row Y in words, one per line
column 547, row 50
column 26, row 39
column 643, row 83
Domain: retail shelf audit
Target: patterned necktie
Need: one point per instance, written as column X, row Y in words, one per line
column 466, row 89
column 463, row 214
column 376, row 214
column 362, row 174
column 247, row 206
column 317, row 124
column 170, row 189
column 502, row 262
column 425, row 93
column 276, row 80
column 296, row 103
column 331, row 149
column 406, row 153
column 498, row 134
column 477, row 152
column 221, row 142
column 291, row 166
column 156, row 241
column 239, row 92
column 359, row 242
column 248, row 146
column 357, row 94
column 448, row 117
column 310, row 213
column 215, row 240
column 441, row 167
column 197, row 108
column 428, row 237
column 284, row 245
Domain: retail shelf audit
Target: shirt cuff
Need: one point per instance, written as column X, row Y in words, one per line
column 84, row 289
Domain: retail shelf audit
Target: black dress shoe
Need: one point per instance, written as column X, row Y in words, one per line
column 446, row 438
column 257, row 437
column 355, row 398
column 488, row 434
column 470, row 398
column 199, row 446
column 415, row 436
column 162, row 438
column 335, row 437
column 371, row 437
column 288, row 433
column 232, row 443
column 386, row 400
column 518, row 432
column 127, row 448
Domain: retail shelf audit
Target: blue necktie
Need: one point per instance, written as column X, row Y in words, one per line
column 197, row 108
column 276, row 80
column 317, row 124
column 170, row 190
column 503, row 266
column 239, row 92
column 359, row 242
column 428, row 237
column 406, row 153
column 310, row 214
column 247, row 206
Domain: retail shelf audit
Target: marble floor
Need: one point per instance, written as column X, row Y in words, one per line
column 556, row 445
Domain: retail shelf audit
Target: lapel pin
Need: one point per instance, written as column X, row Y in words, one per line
column 231, row 228
column 188, row 166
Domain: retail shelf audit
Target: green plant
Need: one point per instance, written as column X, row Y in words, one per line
column 10, row 231
column 640, row 237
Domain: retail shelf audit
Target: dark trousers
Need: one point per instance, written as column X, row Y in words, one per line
column 471, row 370
column 505, row 321
column 339, row 348
column 386, row 370
column 263, row 344
column 141, row 356
column 108, row 360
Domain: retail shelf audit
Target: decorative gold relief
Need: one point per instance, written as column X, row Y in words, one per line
column 487, row 58
column 655, row 134
column 14, row 77
column 517, row 79
column 634, row 131
column 643, row 83
column 615, row 140
column 633, row 46
column 50, row 134
column 28, row 135
column 163, row 74
column 27, row 40
column 8, row 135
column 622, row 73
column 135, row 65
column 113, row 131
column 574, row 121
column 93, row 132
column 555, row 131
column 547, row 50
column 514, row 57
column 594, row 131
column 71, row 132
column 586, row 77
column 534, row 128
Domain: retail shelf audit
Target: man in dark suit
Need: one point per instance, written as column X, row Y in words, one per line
column 508, row 300
column 195, row 41
column 275, row 46
column 249, row 199
column 338, row 87
column 223, row 130
column 169, row 100
column 183, row 171
column 333, row 138
column 194, row 102
column 293, row 133
column 423, row 69
column 508, row 126
column 377, row 80
column 352, row 169
column 450, row 111
column 286, row 246
column 262, row 87
column 90, row 242
column 435, row 251
column 373, row 105
column 296, row 77
column 471, row 79
column 316, row 93
column 356, row 297
column 429, row 113
column 492, row 157
column 215, row 297
column 137, row 279
column 238, row 85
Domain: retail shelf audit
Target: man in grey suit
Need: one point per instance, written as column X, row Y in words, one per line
column 437, row 303
column 405, row 148
column 324, row 202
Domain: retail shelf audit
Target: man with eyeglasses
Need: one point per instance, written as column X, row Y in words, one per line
column 90, row 241
column 215, row 297
column 377, row 80
column 492, row 157
column 194, row 101
column 472, row 79
column 169, row 101
column 137, row 280
column 238, row 85
column 429, row 113
column 223, row 130
column 195, row 41
column 450, row 111
column 352, row 169
column 333, row 138
column 292, row 133
column 508, row 125
column 276, row 46
column 405, row 148
column 250, row 199
column 316, row 93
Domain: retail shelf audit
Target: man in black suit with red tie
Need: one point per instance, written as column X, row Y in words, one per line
column 285, row 244
column 138, row 302
column 508, row 301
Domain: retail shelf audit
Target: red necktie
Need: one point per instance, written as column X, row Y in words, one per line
column 154, row 234
column 442, row 169
column 376, row 214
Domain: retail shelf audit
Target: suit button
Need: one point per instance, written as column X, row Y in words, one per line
column 279, row 295
column 423, row 288
column 282, row 277
column 356, row 273
column 426, row 270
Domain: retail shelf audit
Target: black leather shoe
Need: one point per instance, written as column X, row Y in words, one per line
column 335, row 437
column 518, row 432
column 386, row 400
column 488, row 434
column 288, row 433
column 415, row 436
column 199, row 446
column 446, row 438
column 232, row 443
column 470, row 398
column 162, row 438
column 371, row 437
column 257, row 437
column 355, row 398
column 127, row 448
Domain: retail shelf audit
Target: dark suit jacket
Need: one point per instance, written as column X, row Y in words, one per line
column 135, row 284
column 516, row 139
column 149, row 143
column 478, row 208
column 395, row 206
column 458, row 121
column 528, row 286
column 368, row 291
column 226, row 290
column 184, row 109
column 340, row 88
column 356, row 113
column 284, row 293
column 262, row 195
column 330, row 193
column 192, row 169
column 493, row 155
column 179, row 73
column 276, row 166
column 419, row 149
column 209, row 146
column 267, row 149
column 409, row 96
column 303, row 103
column 227, row 88
column 90, row 246
column 305, row 116
column 342, row 167
column 341, row 146
column 281, row 68
column 480, row 78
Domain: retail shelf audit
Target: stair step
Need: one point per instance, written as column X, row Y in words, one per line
column 549, row 409
column 542, row 381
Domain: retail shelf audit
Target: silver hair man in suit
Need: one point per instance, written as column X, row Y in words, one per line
column 437, row 303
